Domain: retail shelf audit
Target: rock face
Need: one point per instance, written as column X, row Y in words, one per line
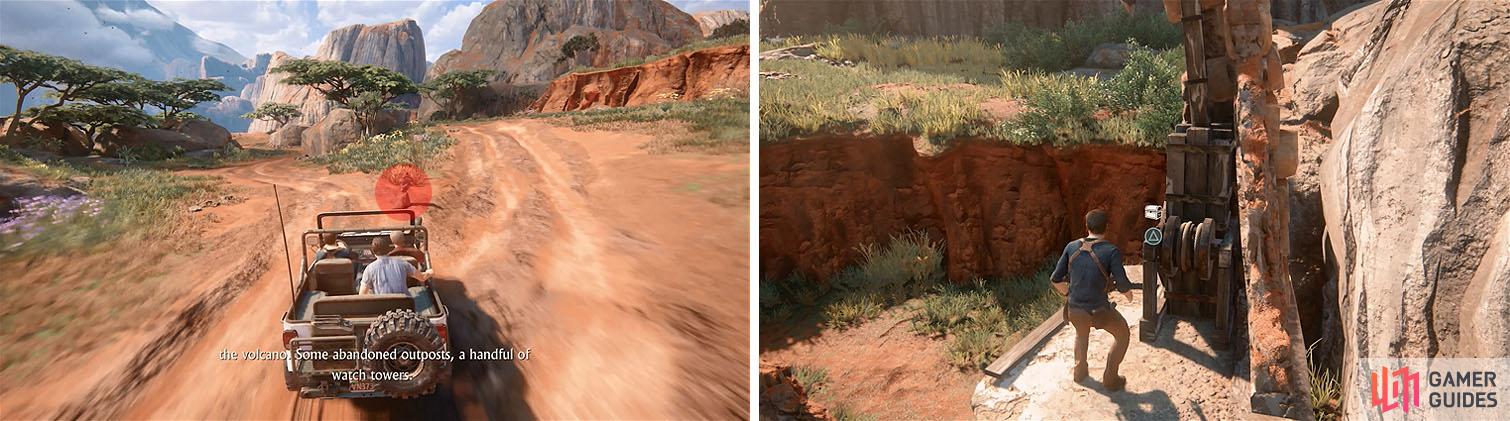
column 999, row 209
column 783, row 398
column 709, row 21
column 1313, row 85
column 522, row 38
column 1414, row 187
column 683, row 77
column 397, row 46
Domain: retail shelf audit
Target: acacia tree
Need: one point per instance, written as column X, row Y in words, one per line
column 735, row 27
column 93, row 119
column 27, row 71
column 276, row 112
column 576, row 44
column 176, row 96
column 344, row 83
column 74, row 79
column 447, row 88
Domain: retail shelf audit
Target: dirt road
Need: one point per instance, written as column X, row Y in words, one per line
column 622, row 272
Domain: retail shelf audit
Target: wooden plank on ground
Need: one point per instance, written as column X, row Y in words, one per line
column 1027, row 344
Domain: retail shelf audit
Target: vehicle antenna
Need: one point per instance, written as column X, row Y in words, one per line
column 287, row 261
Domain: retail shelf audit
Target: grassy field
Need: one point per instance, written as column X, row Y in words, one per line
column 908, row 272
column 87, row 263
column 936, row 87
column 416, row 145
column 718, row 124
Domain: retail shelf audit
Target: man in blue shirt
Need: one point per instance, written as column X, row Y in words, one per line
column 1089, row 269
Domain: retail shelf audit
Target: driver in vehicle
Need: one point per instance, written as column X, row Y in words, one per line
column 388, row 274
column 405, row 246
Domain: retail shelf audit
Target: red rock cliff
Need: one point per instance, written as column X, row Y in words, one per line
column 683, row 77
column 1000, row 209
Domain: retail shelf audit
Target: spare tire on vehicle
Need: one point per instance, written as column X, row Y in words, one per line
column 402, row 331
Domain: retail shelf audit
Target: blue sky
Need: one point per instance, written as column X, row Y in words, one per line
column 296, row 27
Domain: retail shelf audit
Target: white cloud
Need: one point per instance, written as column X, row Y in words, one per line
column 694, row 6
column 43, row 25
column 140, row 18
column 449, row 29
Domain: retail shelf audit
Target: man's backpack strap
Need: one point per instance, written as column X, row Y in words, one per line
column 1087, row 246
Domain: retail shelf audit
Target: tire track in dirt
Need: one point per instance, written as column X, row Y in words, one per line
column 525, row 258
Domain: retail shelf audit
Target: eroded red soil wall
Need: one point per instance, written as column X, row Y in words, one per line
column 1000, row 209
column 682, row 77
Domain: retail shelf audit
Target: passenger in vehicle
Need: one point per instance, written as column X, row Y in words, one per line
column 406, row 246
column 388, row 274
column 332, row 246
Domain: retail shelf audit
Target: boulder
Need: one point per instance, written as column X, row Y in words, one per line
column 207, row 134
column 340, row 128
column 55, row 138
column 1413, row 189
column 287, row 136
column 1109, row 56
column 522, row 39
column 148, row 144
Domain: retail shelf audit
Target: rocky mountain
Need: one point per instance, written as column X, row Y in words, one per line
column 709, row 21
column 398, row 46
column 1412, row 99
column 126, row 34
column 523, row 38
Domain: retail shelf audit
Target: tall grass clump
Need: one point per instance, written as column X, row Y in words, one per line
column 1326, row 387
column 906, row 266
column 891, row 52
column 416, row 146
column 1139, row 106
column 1029, row 48
column 935, row 115
column 982, row 320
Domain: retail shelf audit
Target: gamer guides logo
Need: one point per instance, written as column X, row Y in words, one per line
column 1448, row 387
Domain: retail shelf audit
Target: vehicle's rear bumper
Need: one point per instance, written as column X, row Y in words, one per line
column 319, row 393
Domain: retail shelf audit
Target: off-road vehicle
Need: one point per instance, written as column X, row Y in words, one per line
column 329, row 317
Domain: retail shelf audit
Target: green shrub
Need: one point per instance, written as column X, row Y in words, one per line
column 1061, row 112
column 908, row 265
column 1326, row 387
column 1142, row 103
column 852, row 309
column 375, row 154
column 1068, row 47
